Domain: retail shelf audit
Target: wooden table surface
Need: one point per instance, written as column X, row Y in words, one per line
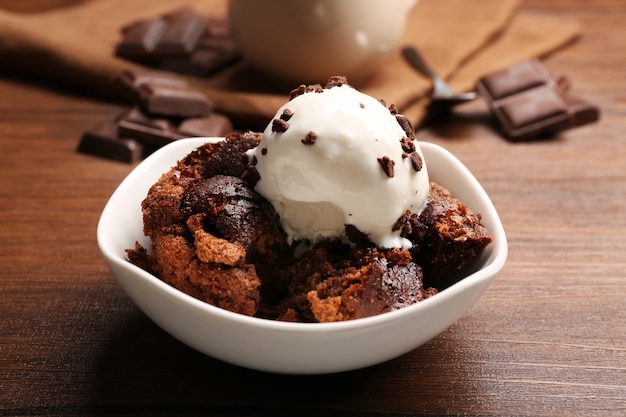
column 547, row 339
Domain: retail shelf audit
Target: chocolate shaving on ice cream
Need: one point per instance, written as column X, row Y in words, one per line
column 310, row 138
column 387, row 164
column 279, row 126
column 287, row 114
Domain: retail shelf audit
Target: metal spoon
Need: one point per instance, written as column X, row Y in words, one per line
column 442, row 93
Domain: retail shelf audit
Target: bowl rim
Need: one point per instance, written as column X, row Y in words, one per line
column 178, row 149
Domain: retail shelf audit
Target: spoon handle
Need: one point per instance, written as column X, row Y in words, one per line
column 440, row 87
column 415, row 59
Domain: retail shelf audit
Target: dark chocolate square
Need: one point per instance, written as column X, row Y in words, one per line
column 184, row 30
column 141, row 38
column 103, row 140
column 534, row 107
column 173, row 101
column 147, row 129
column 515, row 79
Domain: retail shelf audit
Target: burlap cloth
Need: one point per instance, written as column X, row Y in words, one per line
column 461, row 39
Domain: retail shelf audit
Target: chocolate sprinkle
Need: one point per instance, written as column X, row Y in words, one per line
column 263, row 151
column 301, row 89
column 406, row 125
column 416, row 161
column 287, row 114
column 387, row 164
column 407, row 145
column 298, row 91
column 393, row 109
column 310, row 138
column 336, row 81
column 279, row 125
column 402, row 222
column 314, row 88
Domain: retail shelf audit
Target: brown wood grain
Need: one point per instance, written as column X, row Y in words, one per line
column 547, row 339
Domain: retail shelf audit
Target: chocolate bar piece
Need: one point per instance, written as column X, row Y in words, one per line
column 103, row 140
column 176, row 101
column 525, row 114
column 182, row 41
column 141, row 38
column 581, row 111
column 164, row 94
column 132, row 80
column 529, row 103
column 210, row 55
column 129, row 81
column 516, row 79
column 166, row 109
column 157, row 131
column 184, row 29
column 215, row 125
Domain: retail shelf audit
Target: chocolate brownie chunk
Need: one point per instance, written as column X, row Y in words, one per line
column 446, row 235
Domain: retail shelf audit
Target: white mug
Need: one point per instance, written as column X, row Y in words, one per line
column 306, row 41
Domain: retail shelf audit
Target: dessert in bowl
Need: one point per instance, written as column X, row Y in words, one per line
column 268, row 339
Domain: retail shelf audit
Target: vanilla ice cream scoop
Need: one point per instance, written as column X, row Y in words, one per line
column 334, row 157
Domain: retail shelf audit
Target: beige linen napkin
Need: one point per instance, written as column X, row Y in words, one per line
column 461, row 39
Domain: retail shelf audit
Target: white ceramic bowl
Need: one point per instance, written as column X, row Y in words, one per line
column 297, row 348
